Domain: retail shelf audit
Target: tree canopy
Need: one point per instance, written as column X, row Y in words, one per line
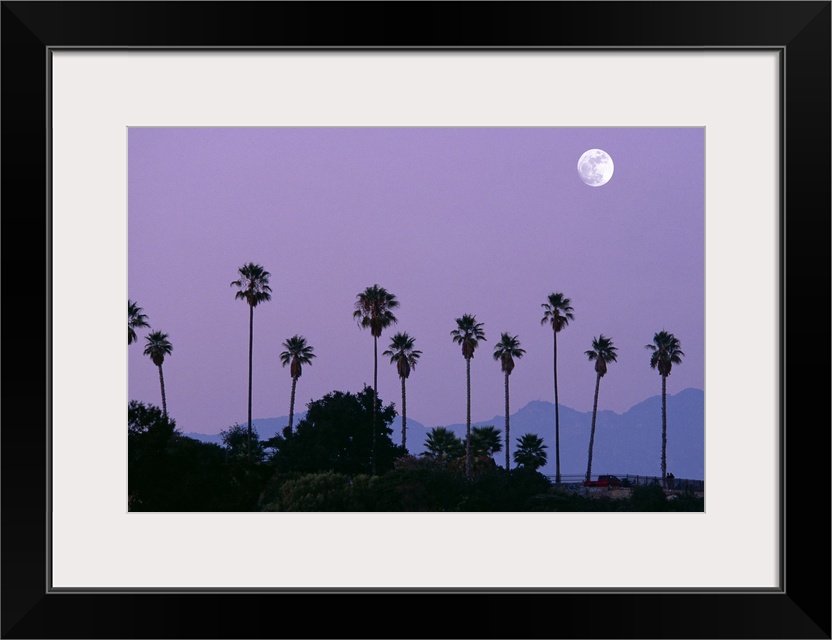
column 335, row 436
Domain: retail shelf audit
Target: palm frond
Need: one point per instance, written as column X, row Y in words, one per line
column 557, row 312
column 253, row 284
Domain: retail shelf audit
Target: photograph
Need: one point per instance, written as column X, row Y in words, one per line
column 307, row 304
column 428, row 303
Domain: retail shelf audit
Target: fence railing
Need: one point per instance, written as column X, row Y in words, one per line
column 627, row 479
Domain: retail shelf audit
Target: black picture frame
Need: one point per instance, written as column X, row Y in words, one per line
column 799, row 31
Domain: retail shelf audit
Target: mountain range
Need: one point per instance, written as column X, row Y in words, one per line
column 627, row 443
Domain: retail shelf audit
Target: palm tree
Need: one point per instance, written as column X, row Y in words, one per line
column 253, row 285
column 602, row 352
column 558, row 313
column 666, row 352
column 530, row 451
column 468, row 333
column 485, row 441
column 135, row 318
column 157, row 347
column 373, row 311
column 405, row 357
column 442, row 443
column 506, row 350
column 297, row 354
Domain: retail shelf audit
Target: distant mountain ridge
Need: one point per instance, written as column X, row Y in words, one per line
column 627, row 443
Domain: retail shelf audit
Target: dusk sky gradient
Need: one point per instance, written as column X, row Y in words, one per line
column 485, row 221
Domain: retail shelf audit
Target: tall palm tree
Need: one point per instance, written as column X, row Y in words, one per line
column 603, row 352
column 135, row 318
column 157, row 347
column 405, row 357
column 530, row 451
column 557, row 313
column 666, row 351
column 468, row 333
column 506, row 350
column 253, row 285
column 373, row 311
column 297, row 354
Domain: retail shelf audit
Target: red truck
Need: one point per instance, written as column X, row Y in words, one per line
column 603, row 481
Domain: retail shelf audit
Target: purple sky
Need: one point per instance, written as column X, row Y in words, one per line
column 486, row 221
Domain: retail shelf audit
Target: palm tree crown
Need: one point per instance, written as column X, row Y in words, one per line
column 402, row 354
column 253, row 284
column 468, row 333
column 135, row 318
column 297, row 354
column 602, row 352
column 530, row 452
column 373, row 309
column 666, row 352
column 441, row 442
column 557, row 311
column 506, row 350
column 485, row 441
column 157, row 347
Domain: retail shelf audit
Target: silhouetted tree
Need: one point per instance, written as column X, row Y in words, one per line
column 297, row 354
column 405, row 357
column 442, row 443
column 468, row 334
column 373, row 311
column 135, row 319
column 602, row 353
column 530, row 452
column 557, row 313
column 506, row 350
column 333, row 437
column 666, row 351
column 157, row 347
column 253, row 285
column 235, row 439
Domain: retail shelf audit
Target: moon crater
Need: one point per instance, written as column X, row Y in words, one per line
column 595, row 167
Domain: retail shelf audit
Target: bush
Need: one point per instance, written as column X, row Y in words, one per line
column 429, row 488
column 648, row 497
column 327, row 491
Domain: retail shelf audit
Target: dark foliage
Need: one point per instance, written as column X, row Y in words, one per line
column 336, row 435
column 496, row 489
column 235, row 440
column 648, row 497
column 170, row 472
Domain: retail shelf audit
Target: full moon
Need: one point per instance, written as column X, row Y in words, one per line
column 595, row 167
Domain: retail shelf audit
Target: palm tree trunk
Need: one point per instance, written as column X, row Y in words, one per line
column 468, row 418
column 592, row 431
column 404, row 416
column 164, row 401
column 508, row 458
column 292, row 404
column 250, row 352
column 557, row 415
column 664, row 431
column 375, row 401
